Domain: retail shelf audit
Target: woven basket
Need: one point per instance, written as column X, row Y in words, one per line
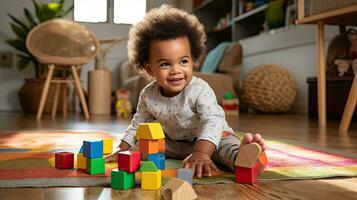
column 270, row 89
column 319, row 6
column 30, row 95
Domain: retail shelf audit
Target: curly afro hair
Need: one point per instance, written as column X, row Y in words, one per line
column 164, row 23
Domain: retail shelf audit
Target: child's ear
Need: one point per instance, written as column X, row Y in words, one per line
column 148, row 69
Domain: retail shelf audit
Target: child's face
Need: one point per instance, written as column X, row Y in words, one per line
column 170, row 63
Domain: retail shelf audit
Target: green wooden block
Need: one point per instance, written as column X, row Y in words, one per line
column 148, row 166
column 122, row 180
column 95, row 166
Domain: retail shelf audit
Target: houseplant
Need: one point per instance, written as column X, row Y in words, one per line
column 30, row 92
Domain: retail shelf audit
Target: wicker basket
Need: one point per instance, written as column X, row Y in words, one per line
column 269, row 88
column 319, row 6
column 30, row 95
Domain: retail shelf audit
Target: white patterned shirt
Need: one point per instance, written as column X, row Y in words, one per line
column 193, row 113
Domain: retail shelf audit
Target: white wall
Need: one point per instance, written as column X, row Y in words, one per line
column 11, row 80
column 294, row 48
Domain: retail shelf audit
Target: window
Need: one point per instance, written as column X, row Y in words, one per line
column 90, row 10
column 129, row 12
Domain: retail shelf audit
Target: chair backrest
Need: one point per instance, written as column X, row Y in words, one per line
column 62, row 42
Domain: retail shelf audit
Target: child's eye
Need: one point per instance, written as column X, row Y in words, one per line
column 183, row 62
column 164, row 64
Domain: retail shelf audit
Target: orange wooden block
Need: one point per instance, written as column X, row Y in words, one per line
column 148, row 146
column 162, row 145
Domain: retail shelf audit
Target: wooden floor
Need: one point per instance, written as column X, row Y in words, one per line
column 292, row 127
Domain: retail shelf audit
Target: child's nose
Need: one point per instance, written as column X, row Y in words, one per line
column 175, row 69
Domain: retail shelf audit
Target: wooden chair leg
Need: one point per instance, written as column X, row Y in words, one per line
column 321, row 75
column 80, row 92
column 349, row 107
column 45, row 89
column 64, row 99
column 55, row 102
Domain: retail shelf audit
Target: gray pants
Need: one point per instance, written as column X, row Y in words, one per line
column 225, row 154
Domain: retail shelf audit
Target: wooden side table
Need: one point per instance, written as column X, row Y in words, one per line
column 341, row 16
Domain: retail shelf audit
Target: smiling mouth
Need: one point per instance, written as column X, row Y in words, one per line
column 175, row 80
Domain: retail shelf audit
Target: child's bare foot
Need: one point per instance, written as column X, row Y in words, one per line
column 113, row 157
column 249, row 138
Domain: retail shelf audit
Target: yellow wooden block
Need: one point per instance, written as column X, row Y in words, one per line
column 151, row 180
column 81, row 161
column 107, row 145
column 150, row 131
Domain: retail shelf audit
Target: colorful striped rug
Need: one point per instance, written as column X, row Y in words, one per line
column 27, row 160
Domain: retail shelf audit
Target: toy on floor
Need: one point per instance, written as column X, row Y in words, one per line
column 230, row 104
column 123, row 105
column 185, row 174
column 64, row 160
column 249, row 160
column 177, row 189
column 151, row 154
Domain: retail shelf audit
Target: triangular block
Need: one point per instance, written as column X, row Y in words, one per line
column 150, row 131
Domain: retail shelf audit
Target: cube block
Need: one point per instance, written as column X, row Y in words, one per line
column 81, row 161
column 185, row 174
column 107, row 145
column 64, row 160
column 161, row 145
column 151, row 180
column 158, row 159
column 129, row 161
column 95, row 166
column 148, row 146
column 93, row 149
column 122, row 180
column 246, row 175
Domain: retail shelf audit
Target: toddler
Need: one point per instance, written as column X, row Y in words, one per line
column 165, row 46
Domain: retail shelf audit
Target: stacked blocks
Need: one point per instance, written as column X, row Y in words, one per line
column 81, row 161
column 249, row 160
column 152, row 143
column 93, row 152
column 230, row 104
column 150, row 176
column 64, row 160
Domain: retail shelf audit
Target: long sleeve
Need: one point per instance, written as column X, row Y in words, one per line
column 210, row 116
column 141, row 116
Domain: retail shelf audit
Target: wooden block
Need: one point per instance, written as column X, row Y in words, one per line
column 177, row 189
column 93, row 149
column 81, row 161
column 246, row 175
column 248, row 155
column 185, row 174
column 95, row 166
column 81, row 149
column 158, row 159
column 148, row 166
column 151, row 180
column 122, row 180
column 162, row 145
column 64, row 160
column 150, row 131
column 148, row 146
column 263, row 160
column 129, row 161
column 107, row 145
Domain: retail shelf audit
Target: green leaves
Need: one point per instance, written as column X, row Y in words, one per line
column 23, row 62
column 18, row 44
column 19, row 31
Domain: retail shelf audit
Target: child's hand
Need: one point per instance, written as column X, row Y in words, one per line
column 113, row 157
column 249, row 138
column 198, row 162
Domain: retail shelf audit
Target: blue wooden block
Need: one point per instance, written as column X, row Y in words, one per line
column 93, row 148
column 158, row 159
column 81, row 150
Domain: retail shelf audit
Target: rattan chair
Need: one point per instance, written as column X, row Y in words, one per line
column 65, row 45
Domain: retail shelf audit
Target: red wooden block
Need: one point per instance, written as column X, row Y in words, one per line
column 64, row 160
column 129, row 161
column 247, row 175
